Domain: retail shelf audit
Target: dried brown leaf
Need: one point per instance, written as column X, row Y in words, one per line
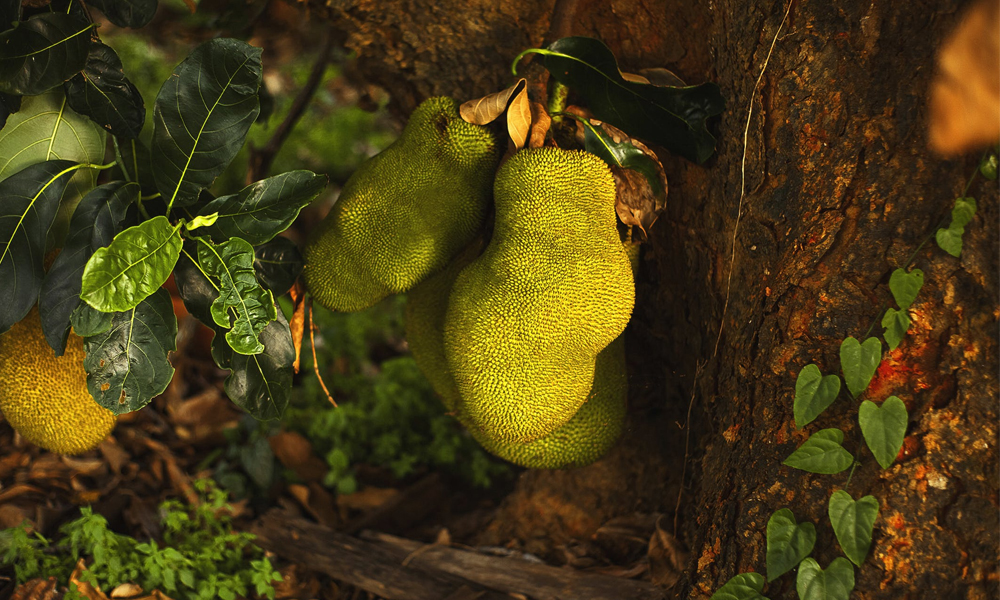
column 540, row 123
column 634, row 78
column 85, row 589
column 667, row 558
column 369, row 498
column 116, row 456
column 519, row 119
column 13, row 516
column 126, row 590
column 661, row 77
column 486, row 109
column 298, row 322
column 38, row 589
column 296, row 453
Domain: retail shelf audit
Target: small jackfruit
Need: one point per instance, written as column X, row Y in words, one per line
column 45, row 397
column 527, row 319
column 405, row 212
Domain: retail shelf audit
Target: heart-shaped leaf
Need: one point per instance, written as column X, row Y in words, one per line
column 42, row 52
column 127, row 365
column 263, row 209
column 853, row 522
column 950, row 240
column 138, row 261
column 813, row 394
column 126, row 13
column 990, row 166
column 278, row 264
column 96, row 221
column 788, row 543
column 884, row 428
column 30, row 200
column 745, row 586
column 836, row 583
column 673, row 117
column 962, row 213
column 905, row 286
column 103, row 93
column 821, row 453
column 859, row 362
column 202, row 115
column 896, row 323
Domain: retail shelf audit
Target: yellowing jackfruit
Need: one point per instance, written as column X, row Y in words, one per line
column 45, row 397
column 527, row 319
column 405, row 212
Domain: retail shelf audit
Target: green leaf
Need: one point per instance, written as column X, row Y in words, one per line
column 103, row 93
column 260, row 383
column 788, row 543
column 194, row 286
column 201, row 117
column 853, row 522
column 884, row 428
column 89, row 322
column 239, row 291
column 965, row 209
column 622, row 154
column 126, row 13
column 745, row 586
column 133, row 162
column 263, row 209
column 905, row 286
column 950, row 240
column 859, row 362
column 821, row 453
column 30, row 200
column 989, row 166
column 95, row 223
column 42, row 52
column 127, row 365
column 201, row 221
column 895, row 322
column 813, row 394
column 673, row 117
column 138, row 261
column 836, row 583
column 278, row 264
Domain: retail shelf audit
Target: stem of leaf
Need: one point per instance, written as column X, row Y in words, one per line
column 878, row 318
column 203, row 273
column 557, row 101
column 974, row 173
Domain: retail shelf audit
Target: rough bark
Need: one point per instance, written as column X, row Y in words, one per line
column 840, row 190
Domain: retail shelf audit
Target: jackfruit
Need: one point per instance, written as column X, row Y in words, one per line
column 45, row 397
column 405, row 212
column 527, row 319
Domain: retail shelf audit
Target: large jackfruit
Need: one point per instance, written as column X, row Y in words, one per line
column 405, row 212
column 45, row 397
column 527, row 319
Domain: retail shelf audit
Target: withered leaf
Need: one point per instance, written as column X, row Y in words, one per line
column 519, row 118
column 38, row 589
column 667, row 558
column 540, row 123
column 486, row 109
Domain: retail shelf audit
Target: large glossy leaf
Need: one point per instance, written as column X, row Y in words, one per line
column 88, row 321
column 42, row 52
column 138, row 261
column 884, row 428
column 29, row 200
column 127, row 365
column 859, row 361
column 745, row 586
column 96, row 221
column 821, row 453
column 195, row 288
column 813, row 394
column 788, row 542
column 673, row 117
column 836, row 583
column 240, row 294
column 260, row 383
column 126, row 13
column 853, row 522
column 263, row 209
column 102, row 92
column 278, row 264
column 133, row 161
column 202, row 115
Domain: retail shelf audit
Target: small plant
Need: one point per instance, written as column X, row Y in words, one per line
column 201, row 557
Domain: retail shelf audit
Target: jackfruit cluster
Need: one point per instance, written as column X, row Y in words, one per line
column 405, row 212
column 45, row 397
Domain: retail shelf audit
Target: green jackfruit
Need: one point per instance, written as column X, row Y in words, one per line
column 45, row 397
column 405, row 212
column 527, row 319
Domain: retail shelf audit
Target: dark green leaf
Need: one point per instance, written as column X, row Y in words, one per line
column 239, row 293
column 126, row 13
column 788, row 543
column 278, row 264
column 884, row 428
column 821, row 453
column 896, row 322
column 42, row 52
column 263, row 209
column 965, row 209
column 88, row 321
column 133, row 160
column 745, row 586
column 905, row 286
column 260, row 383
column 813, row 394
column 103, row 93
column 859, row 362
column 950, row 240
column 257, row 459
column 194, row 287
column 135, row 265
column 836, row 583
column 202, row 115
column 127, row 366
column 853, row 523
column 8, row 105
column 10, row 12
column 673, row 117
column 96, row 220
column 622, row 154
column 30, row 202
column 989, row 166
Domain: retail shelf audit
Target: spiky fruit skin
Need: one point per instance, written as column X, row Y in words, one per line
column 527, row 319
column 405, row 212
column 45, row 397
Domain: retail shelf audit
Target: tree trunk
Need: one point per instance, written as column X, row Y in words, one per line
column 840, row 190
